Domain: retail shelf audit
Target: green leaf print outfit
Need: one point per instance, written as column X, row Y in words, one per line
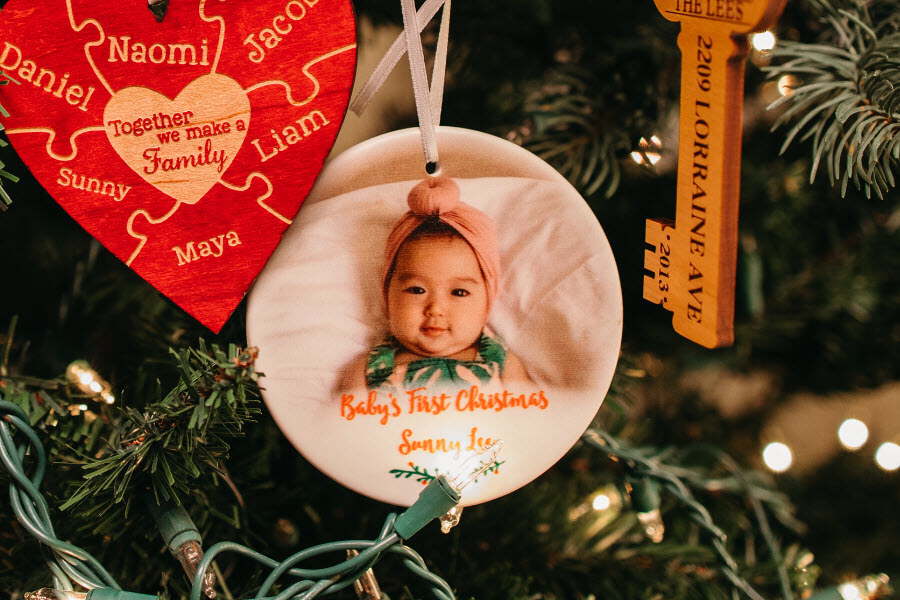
column 382, row 372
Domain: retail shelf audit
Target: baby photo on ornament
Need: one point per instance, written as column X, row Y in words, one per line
column 407, row 322
column 496, row 283
column 439, row 279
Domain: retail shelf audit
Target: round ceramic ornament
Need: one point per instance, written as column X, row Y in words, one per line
column 502, row 321
column 184, row 146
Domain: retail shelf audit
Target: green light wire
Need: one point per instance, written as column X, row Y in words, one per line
column 330, row 579
column 644, row 465
column 69, row 563
column 30, row 507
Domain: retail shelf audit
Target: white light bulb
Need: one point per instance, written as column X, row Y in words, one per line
column 763, row 41
column 601, row 502
column 848, row 591
column 85, row 377
column 778, row 457
column 888, row 456
column 867, row 588
column 54, row 594
column 95, row 387
column 451, row 519
column 474, row 465
column 786, row 84
column 651, row 151
column 853, row 434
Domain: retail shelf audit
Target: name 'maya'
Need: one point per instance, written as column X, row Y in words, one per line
column 214, row 247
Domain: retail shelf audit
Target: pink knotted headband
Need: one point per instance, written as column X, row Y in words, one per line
column 439, row 197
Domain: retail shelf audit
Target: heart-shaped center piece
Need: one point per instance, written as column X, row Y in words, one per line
column 183, row 146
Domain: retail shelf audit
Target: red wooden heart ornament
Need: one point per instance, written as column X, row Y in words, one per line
column 187, row 146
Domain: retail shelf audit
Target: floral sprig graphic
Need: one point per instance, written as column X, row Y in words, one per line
column 424, row 476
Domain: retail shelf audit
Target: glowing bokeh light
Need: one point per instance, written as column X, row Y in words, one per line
column 888, row 456
column 787, row 84
column 848, row 591
column 763, row 41
column 853, row 434
column 601, row 502
column 650, row 151
column 778, row 457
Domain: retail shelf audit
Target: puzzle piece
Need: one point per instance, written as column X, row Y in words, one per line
column 283, row 139
column 271, row 37
column 61, row 80
column 128, row 122
column 184, row 43
column 203, row 245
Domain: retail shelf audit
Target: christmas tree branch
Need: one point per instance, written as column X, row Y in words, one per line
column 5, row 200
column 650, row 463
column 162, row 450
column 847, row 99
column 566, row 124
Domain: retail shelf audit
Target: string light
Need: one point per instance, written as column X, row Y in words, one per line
column 648, row 151
column 183, row 540
column 778, row 457
column 763, row 41
column 444, row 493
column 47, row 593
column 451, row 519
column 853, row 434
column 867, row 588
column 652, row 525
column 599, row 509
column 787, row 84
column 645, row 500
column 888, row 456
column 92, row 594
column 601, row 501
column 474, row 465
column 80, row 374
column 366, row 587
column 471, row 468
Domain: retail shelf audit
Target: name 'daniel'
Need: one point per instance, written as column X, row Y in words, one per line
column 214, row 247
column 12, row 61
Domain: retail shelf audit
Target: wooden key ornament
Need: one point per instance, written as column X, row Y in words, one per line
column 693, row 259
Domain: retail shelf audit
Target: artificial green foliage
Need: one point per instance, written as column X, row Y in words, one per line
column 52, row 405
column 566, row 126
column 156, row 451
column 161, row 449
column 5, row 200
column 847, row 96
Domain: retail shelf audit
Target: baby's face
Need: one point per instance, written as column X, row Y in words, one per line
column 437, row 298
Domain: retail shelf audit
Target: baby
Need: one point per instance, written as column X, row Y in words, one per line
column 440, row 277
